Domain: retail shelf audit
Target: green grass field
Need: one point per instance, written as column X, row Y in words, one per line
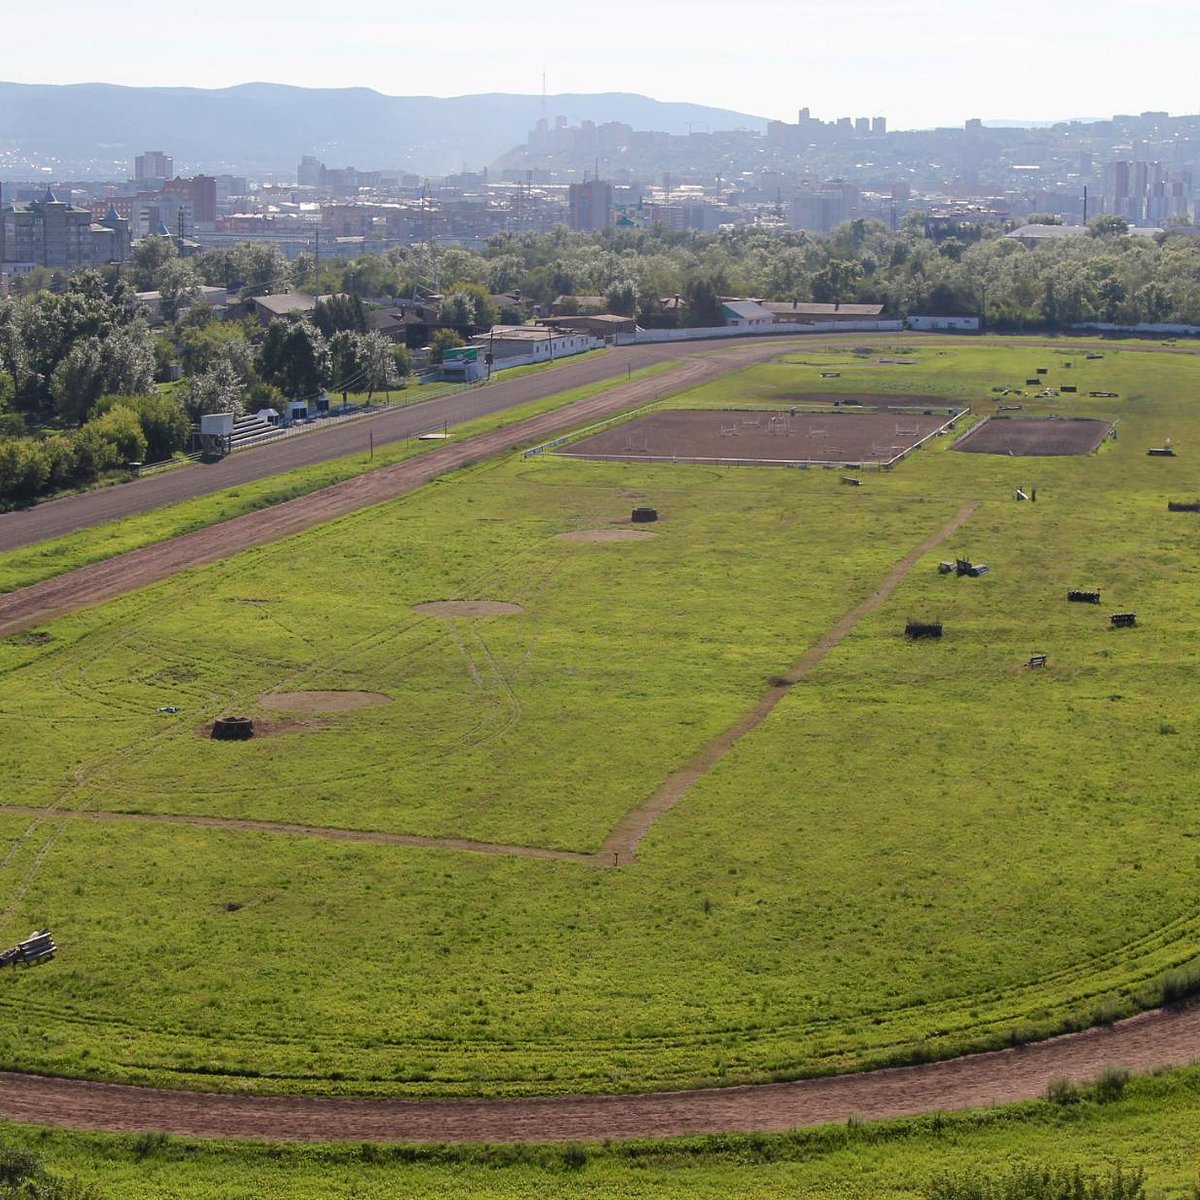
column 29, row 564
column 1153, row 1126
column 925, row 848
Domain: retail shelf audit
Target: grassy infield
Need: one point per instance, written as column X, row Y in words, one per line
column 925, row 849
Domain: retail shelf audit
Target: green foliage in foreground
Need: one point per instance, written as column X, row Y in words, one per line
column 1145, row 1145
column 925, row 848
column 19, row 568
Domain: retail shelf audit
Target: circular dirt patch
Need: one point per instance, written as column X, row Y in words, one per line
column 607, row 535
column 323, row 702
column 468, row 608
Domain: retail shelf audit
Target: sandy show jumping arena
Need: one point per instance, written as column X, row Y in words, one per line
column 766, row 437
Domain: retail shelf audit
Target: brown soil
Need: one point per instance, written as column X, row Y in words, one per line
column 762, row 437
column 468, row 608
column 1156, row 1039
column 322, row 702
column 607, row 535
column 1034, row 437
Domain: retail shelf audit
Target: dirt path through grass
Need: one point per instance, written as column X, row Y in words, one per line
column 1160, row 1038
column 620, row 847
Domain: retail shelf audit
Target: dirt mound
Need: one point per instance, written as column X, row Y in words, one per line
column 321, row 702
column 607, row 535
column 468, row 608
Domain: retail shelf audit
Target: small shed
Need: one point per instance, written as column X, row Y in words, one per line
column 216, row 424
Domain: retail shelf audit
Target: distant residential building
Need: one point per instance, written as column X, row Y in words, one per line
column 591, row 205
column 600, row 325
column 746, row 314
column 153, row 166
column 1145, row 192
column 288, row 306
column 512, row 344
column 803, row 312
column 706, row 218
column 200, row 192
column 308, row 174
column 52, row 233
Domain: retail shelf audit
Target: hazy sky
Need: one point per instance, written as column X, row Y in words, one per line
column 916, row 62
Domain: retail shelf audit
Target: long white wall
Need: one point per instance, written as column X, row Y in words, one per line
column 724, row 331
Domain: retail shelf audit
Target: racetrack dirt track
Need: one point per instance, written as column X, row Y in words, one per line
column 1161, row 1038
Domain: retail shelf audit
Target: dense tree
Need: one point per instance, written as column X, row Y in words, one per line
column 380, row 369
column 621, row 298
column 179, row 283
column 164, row 424
column 443, row 340
column 215, row 390
column 203, row 346
column 703, row 303
column 1107, row 226
column 294, row 358
column 149, row 256
column 340, row 312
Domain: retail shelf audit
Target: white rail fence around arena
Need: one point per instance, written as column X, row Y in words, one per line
column 555, row 445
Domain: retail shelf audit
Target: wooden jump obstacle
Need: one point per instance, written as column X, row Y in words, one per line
column 1077, row 597
column 1124, row 620
column 38, row 947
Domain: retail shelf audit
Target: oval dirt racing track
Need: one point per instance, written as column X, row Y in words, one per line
column 1160, row 1038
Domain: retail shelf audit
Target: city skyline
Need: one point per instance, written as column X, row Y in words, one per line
column 917, row 66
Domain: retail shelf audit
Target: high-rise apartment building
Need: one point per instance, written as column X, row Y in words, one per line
column 52, row 233
column 591, row 205
column 153, row 166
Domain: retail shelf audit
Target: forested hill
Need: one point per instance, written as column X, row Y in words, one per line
column 96, row 129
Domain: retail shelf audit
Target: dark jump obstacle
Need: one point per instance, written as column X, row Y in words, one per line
column 1078, row 597
column 38, row 947
column 1183, row 506
column 232, row 729
column 643, row 516
column 1123, row 620
column 922, row 629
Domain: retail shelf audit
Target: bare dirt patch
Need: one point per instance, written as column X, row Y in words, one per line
column 1032, row 437
column 607, row 535
column 764, row 437
column 321, row 702
column 468, row 608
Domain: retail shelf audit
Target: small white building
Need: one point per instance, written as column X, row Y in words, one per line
column 944, row 324
column 520, row 345
column 746, row 314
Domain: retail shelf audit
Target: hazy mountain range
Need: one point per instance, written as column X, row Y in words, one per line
column 96, row 129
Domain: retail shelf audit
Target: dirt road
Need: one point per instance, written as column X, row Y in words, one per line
column 126, row 572
column 1152, row 1039
column 57, row 517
